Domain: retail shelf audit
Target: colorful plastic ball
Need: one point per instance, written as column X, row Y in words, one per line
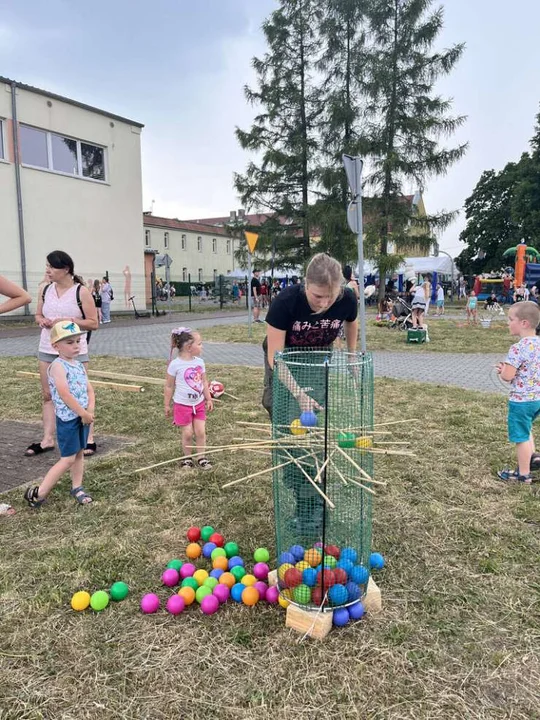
column 309, row 576
column 353, row 591
column 209, row 604
column 188, row 593
column 236, row 592
column 227, row 579
column 261, row 570
column 250, row 596
column 193, row 551
column 359, row 574
column 261, row 555
column 202, row 592
column 308, row 419
column 222, row 593
column 292, row 577
column 302, row 594
column 216, row 573
column 211, row 582
column 208, row 549
column 316, row 596
column 119, row 591
column 80, row 600
column 206, row 531
column 298, row 552
column 376, row 561
column 262, row 589
column 200, row 576
column 220, row 563
column 329, row 578
column 356, row 611
column 190, row 582
column 235, row 561
column 363, row 442
column 346, row 439
column 297, row 428
column 287, row 593
column 302, row 565
column 175, row 564
column 338, row 594
column 287, row 558
column 283, row 602
column 238, row 571
column 332, row 550
column 175, row 604
column 231, row 549
column 313, row 557
column 350, row 554
column 272, row 595
column 187, row 570
column 340, row 617
column 346, row 565
column 340, row 575
column 193, row 534
column 329, row 561
column 249, row 579
column 219, row 552
column 149, row 603
column 170, row 577
column 218, row 539
column 282, row 569
column 318, row 545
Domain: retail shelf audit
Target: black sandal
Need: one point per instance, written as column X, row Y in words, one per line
column 31, row 496
column 187, row 463
column 82, row 497
column 204, row 464
column 90, row 449
column 37, row 449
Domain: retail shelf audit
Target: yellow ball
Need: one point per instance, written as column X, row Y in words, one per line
column 81, row 600
column 287, row 593
column 297, row 428
column 248, row 580
column 363, row 442
column 200, row 576
column 283, row 569
column 302, row 565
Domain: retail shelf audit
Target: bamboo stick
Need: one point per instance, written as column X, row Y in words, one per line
column 354, row 482
column 228, row 394
column 260, row 472
column 115, row 386
column 131, row 378
column 360, row 470
column 395, row 422
column 310, row 479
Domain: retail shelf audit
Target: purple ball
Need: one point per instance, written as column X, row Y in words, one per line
column 209, row 604
column 170, row 577
column 261, row 570
column 187, row 570
column 356, row 611
column 222, row 593
column 262, row 588
column 272, row 594
column 175, row 604
column 216, row 573
column 149, row 603
column 208, row 549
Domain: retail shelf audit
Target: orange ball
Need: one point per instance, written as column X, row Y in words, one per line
column 249, row 580
column 227, row 579
column 188, row 593
column 313, row 557
column 193, row 551
column 220, row 563
column 250, row 596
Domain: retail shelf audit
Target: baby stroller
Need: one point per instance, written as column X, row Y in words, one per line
column 401, row 315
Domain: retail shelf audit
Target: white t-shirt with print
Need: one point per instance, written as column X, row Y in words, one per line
column 188, row 375
column 525, row 357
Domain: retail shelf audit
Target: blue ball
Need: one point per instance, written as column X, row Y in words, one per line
column 236, row 592
column 309, row 577
column 349, row 553
column 356, row 611
column 353, row 591
column 298, row 552
column 216, row 573
column 340, row 617
column 208, row 549
column 338, row 594
column 287, row 557
column 308, row 419
column 346, row 565
column 376, row 561
column 234, row 561
column 359, row 574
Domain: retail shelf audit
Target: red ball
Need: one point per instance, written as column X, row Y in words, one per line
column 329, row 578
column 218, row 539
column 340, row 575
column 316, row 595
column 332, row 550
column 194, row 534
column 292, row 577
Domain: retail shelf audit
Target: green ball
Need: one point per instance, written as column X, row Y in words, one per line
column 261, row 555
column 231, row 549
column 210, row 582
column 238, row 571
column 190, row 582
column 302, row 594
column 202, row 592
column 218, row 552
column 346, row 439
column 119, row 591
column 329, row 561
column 206, row 531
column 174, row 564
column 99, row 600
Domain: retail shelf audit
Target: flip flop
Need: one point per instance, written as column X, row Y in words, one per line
column 37, row 449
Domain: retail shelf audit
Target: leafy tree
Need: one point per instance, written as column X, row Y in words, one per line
column 526, row 199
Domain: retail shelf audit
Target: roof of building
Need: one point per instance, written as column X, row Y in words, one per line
column 253, row 219
column 54, row 96
column 150, row 220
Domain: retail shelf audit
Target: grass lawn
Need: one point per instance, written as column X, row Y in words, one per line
column 459, row 635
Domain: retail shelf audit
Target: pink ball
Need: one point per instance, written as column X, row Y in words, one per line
column 170, row 577
column 262, row 588
column 222, row 593
column 209, row 604
column 175, row 604
column 261, row 570
column 272, row 594
column 187, row 570
column 149, row 603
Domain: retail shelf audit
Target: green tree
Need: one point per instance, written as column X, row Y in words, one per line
column 526, row 198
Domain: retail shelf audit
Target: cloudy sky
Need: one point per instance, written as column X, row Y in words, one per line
column 179, row 67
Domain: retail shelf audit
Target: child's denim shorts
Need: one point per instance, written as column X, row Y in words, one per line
column 71, row 436
column 521, row 416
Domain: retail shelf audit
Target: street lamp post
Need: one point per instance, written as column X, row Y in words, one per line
column 452, row 271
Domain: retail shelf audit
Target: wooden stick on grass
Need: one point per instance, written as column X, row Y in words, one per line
column 113, row 385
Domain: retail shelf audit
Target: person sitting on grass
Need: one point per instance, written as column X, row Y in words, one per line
column 74, row 401
column 522, row 370
column 472, row 308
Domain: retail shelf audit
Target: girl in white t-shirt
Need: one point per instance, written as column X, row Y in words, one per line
column 187, row 386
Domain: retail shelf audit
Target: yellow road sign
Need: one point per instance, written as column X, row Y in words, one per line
column 251, row 239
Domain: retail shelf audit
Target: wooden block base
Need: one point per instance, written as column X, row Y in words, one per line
column 309, row 622
column 272, row 578
column 372, row 599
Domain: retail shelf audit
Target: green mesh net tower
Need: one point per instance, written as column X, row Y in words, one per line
column 318, row 454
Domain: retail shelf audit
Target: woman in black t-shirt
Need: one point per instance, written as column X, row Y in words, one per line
column 309, row 317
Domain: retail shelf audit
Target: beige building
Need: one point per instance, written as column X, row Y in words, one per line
column 70, row 179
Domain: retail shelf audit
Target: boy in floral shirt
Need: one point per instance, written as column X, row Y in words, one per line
column 522, row 370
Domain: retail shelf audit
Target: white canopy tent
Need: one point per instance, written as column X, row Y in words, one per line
column 442, row 265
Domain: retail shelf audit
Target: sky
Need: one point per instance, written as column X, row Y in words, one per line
column 180, row 67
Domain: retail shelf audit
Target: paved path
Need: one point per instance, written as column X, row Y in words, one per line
column 470, row 371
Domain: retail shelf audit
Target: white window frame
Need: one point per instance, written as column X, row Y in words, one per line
column 166, row 240
column 183, row 242
column 199, row 243
column 200, row 275
column 147, row 242
column 2, row 140
column 228, row 247
column 214, row 245
column 184, row 274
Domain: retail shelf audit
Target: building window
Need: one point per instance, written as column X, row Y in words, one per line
column 199, row 243
column 214, row 245
column 147, row 238
column 200, row 276
column 61, row 154
column 166, row 240
column 228, row 247
column 184, row 244
column 2, row 151
column 184, row 275
column 215, row 275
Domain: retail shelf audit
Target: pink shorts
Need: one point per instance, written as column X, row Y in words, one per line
column 185, row 414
